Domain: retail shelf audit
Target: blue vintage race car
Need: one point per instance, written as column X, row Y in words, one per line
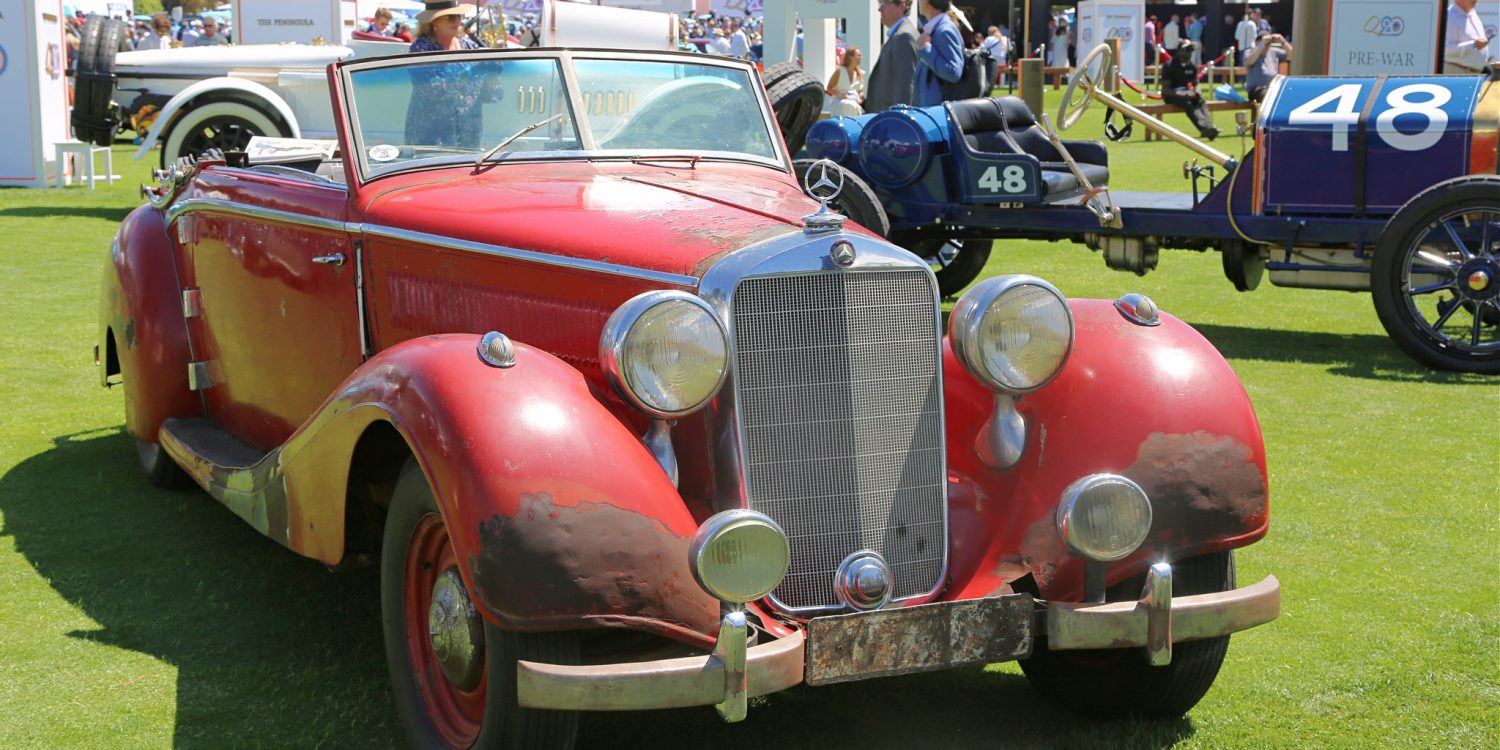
column 1384, row 184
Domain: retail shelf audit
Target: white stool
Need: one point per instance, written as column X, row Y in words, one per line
column 86, row 152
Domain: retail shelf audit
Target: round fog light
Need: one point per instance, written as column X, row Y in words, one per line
column 739, row 555
column 1104, row 517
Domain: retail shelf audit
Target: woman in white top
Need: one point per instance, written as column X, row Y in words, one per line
column 1059, row 50
column 846, row 87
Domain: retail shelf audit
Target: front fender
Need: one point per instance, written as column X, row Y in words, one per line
column 238, row 87
column 1156, row 404
column 140, row 304
column 559, row 516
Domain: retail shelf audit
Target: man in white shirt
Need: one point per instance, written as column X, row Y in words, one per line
column 739, row 44
column 719, row 44
column 1171, row 38
column 1467, row 50
column 1244, row 36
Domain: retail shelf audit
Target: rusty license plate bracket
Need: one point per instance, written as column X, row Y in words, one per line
column 923, row 638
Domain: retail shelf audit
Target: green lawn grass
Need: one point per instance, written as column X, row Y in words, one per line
column 132, row 617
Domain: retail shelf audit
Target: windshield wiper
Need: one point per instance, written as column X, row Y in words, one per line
column 484, row 157
column 691, row 159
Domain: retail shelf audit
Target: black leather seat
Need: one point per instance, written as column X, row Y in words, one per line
column 1005, row 125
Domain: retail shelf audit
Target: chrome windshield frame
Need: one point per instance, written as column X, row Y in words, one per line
column 355, row 158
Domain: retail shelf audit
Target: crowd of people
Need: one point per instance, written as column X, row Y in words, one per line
column 921, row 62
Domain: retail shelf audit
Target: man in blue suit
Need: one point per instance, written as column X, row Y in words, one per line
column 940, row 53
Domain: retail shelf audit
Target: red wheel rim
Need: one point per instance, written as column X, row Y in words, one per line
column 456, row 715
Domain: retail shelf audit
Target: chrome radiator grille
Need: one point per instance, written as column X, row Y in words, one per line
column 838, row 397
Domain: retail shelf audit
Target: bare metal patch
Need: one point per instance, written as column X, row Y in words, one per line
column 591, row 559
column 1208, row 472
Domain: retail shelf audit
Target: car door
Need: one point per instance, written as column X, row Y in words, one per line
column 271, row 295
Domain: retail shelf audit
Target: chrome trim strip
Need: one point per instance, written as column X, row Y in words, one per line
column 531, row 256
column 218, row 205
column 366, row 345
column 797, row 253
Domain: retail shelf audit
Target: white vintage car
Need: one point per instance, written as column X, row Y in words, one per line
column 191, row 100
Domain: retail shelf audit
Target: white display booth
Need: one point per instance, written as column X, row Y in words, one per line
column 1125, row 20
column 1384, row 37
column 277, row 21
column 33, row 83
column 862, row 29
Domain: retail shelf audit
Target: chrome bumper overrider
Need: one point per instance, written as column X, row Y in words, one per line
column 721, row 679
column 733, row 672
column 1157, row 621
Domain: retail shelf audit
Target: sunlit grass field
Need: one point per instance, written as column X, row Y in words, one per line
column 132, row 617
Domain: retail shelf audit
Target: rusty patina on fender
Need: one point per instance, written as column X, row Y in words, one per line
column 564, row 519
column 615, row 565
column 1156, row 404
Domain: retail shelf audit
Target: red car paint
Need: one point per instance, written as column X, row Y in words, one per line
column 534, row 463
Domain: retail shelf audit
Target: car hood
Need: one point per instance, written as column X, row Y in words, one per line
column 273, row 56
column 669, row 219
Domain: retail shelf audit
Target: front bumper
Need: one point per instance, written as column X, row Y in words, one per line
column 733, row 672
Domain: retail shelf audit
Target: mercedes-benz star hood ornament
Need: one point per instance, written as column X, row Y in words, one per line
column 824, row 181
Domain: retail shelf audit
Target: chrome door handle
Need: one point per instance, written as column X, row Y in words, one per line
column 336, row 259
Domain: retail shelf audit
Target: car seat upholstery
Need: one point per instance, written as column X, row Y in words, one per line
column 1005, row 125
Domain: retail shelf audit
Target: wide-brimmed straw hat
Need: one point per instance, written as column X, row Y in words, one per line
column 444, row 8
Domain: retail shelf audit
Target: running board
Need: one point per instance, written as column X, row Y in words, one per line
column 247, row 481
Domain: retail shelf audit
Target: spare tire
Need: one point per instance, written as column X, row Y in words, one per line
column 797, row 98
column 773, row 74
column 95, row 117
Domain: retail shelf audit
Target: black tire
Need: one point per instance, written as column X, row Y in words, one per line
column 95, row 117
column 504, row 724
column 955, row 262
column 1243, row 265
column 1451, row 327
column 857, row 200
column 226, row 125
column 1119, row 683
column 159, row 468
column 797, row 98
column 774, row 74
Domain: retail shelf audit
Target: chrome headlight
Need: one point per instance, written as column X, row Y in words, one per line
column 1013, row 333
column 666, row 352
column 739, row 555
column 1104, row 517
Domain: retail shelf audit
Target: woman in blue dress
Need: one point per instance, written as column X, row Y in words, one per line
column 445, row 103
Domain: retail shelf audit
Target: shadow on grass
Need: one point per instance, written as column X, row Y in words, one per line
column 274, row 650
column 79, row 212
column 1351, row 355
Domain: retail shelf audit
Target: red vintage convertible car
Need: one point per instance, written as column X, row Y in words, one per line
column 631, row 422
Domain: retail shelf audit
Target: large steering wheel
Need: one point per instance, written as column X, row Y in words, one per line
column 1072, row 108
column 686, row 113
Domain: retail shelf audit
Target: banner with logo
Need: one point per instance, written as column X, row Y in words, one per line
column 738, row 8
column 1099, row 20
column 33, row 62
column 1376, row 37
column 277, row 21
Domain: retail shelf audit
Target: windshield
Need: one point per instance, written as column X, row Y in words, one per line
column 441, row 108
